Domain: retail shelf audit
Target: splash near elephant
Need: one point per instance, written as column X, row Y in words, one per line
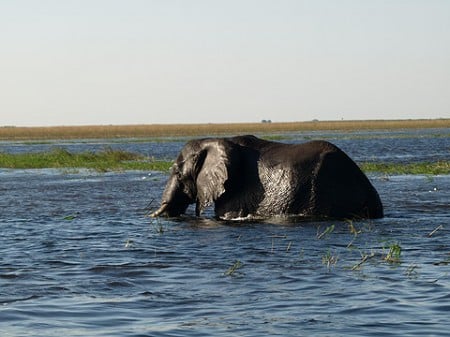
column 247, row 177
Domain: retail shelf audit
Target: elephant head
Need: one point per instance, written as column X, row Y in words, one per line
column 198, row 176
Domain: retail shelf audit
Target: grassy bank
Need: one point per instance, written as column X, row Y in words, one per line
column 422, row 168
column 108, row 160
column 116, row 160
column 192, row 130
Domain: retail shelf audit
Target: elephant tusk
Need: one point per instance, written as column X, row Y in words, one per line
column 159, row 211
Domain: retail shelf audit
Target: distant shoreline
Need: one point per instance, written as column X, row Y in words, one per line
column 211, row 129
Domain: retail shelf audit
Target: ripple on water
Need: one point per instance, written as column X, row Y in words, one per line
column 79, row 257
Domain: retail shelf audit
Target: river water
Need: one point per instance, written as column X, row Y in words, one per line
column 79, row 256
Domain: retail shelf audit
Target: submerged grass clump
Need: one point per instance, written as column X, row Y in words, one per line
column 329, row 259
column 60, row 158
column 326, row 232
column 233, row 269
column 394, row 253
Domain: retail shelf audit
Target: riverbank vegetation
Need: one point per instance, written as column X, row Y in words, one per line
column 118, row 160
column 106, row 160
column 422, row 168
column 193, row 130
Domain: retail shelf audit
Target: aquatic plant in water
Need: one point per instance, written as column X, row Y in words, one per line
column 232, row 270
column 326, row 232
column 329, row 259
column 393, row 255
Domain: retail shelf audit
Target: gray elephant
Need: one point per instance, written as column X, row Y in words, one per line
column 247, row 177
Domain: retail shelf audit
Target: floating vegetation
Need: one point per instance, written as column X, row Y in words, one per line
column 232, row 270
column 393, row 256
column 364, row 259
column 288, row 248
column 329, row 259
column 129, row 243
column 434, row 231
column 326, row 232
column 70, row 217
column 353, row 230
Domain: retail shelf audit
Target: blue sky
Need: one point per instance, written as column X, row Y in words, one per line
column 206, row 61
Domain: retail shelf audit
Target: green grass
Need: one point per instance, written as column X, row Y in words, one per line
column 395, row 251
column 107, row 160
column 421, row 168
column 234, row 268
column 117, row 160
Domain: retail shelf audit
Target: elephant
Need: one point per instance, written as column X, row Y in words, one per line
column 250, row 178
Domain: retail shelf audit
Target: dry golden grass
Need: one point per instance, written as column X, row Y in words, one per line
column 191, row 130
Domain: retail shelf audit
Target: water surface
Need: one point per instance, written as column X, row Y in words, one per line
column 79, row 256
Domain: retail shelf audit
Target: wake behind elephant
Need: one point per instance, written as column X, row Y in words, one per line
column 247, row 177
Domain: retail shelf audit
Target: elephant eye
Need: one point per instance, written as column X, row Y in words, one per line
column 176, row 170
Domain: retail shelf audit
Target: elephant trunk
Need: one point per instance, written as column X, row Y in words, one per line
column 160, row 211
column 174, row 200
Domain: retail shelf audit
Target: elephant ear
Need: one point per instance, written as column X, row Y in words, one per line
column 213, row 172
